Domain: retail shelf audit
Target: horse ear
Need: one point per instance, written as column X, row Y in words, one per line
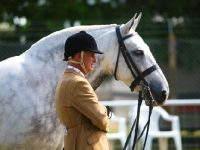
column 131, row 24
column 136, row 21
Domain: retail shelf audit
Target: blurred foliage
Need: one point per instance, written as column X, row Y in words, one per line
column 100, row 9
column 46, row 16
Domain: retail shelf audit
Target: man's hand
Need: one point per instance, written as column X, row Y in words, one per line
column 109, row 111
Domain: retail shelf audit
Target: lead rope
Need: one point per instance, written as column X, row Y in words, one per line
column 148, row 124
column 136, row 122
column 137, row 119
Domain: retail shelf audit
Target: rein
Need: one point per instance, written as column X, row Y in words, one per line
column 139, row 79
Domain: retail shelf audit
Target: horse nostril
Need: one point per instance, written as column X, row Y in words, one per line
column 164, row 94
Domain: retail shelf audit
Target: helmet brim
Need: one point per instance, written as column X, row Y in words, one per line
column 97, row 51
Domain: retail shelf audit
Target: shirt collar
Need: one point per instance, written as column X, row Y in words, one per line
column 76, row 69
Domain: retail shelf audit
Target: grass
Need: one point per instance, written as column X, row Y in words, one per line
column 185, row 133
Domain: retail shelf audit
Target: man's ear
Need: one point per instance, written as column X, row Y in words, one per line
column 77, row 57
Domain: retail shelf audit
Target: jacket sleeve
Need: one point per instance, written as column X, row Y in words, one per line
column 86, row 101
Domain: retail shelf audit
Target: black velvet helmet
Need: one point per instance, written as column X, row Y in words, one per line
column 80, row 42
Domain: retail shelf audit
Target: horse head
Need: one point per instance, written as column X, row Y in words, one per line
column 141, row 57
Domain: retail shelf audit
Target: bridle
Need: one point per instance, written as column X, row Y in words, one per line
column 130, row 63
column 139, row 79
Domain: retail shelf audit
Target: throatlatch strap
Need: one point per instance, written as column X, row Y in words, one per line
column 122, row 48
column 115, row 72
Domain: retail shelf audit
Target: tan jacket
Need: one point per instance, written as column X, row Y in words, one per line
column 78, row 109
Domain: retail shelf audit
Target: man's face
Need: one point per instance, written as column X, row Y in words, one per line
column 89, row 60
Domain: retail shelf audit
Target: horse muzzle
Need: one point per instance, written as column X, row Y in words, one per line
column 156, row 97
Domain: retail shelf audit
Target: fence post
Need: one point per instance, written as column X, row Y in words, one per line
column 172, row 62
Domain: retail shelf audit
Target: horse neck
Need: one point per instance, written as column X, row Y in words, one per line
column 46, row 49
column 107, row 43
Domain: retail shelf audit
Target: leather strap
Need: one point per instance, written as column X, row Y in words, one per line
column 144, row 74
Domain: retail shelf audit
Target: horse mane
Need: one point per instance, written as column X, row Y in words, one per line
column 55, row 41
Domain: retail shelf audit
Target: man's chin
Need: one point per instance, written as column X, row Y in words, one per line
column 89, row 70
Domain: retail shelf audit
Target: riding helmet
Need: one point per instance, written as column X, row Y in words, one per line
column 78, row 42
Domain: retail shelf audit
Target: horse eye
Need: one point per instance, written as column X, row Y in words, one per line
column 139, row 52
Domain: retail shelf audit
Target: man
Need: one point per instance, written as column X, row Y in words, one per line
column 85, row 120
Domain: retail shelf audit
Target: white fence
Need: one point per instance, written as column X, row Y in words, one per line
column 170, row 102
column 132, row 103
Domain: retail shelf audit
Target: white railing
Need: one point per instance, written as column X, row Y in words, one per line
column 132, row 103
column 170, row 102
